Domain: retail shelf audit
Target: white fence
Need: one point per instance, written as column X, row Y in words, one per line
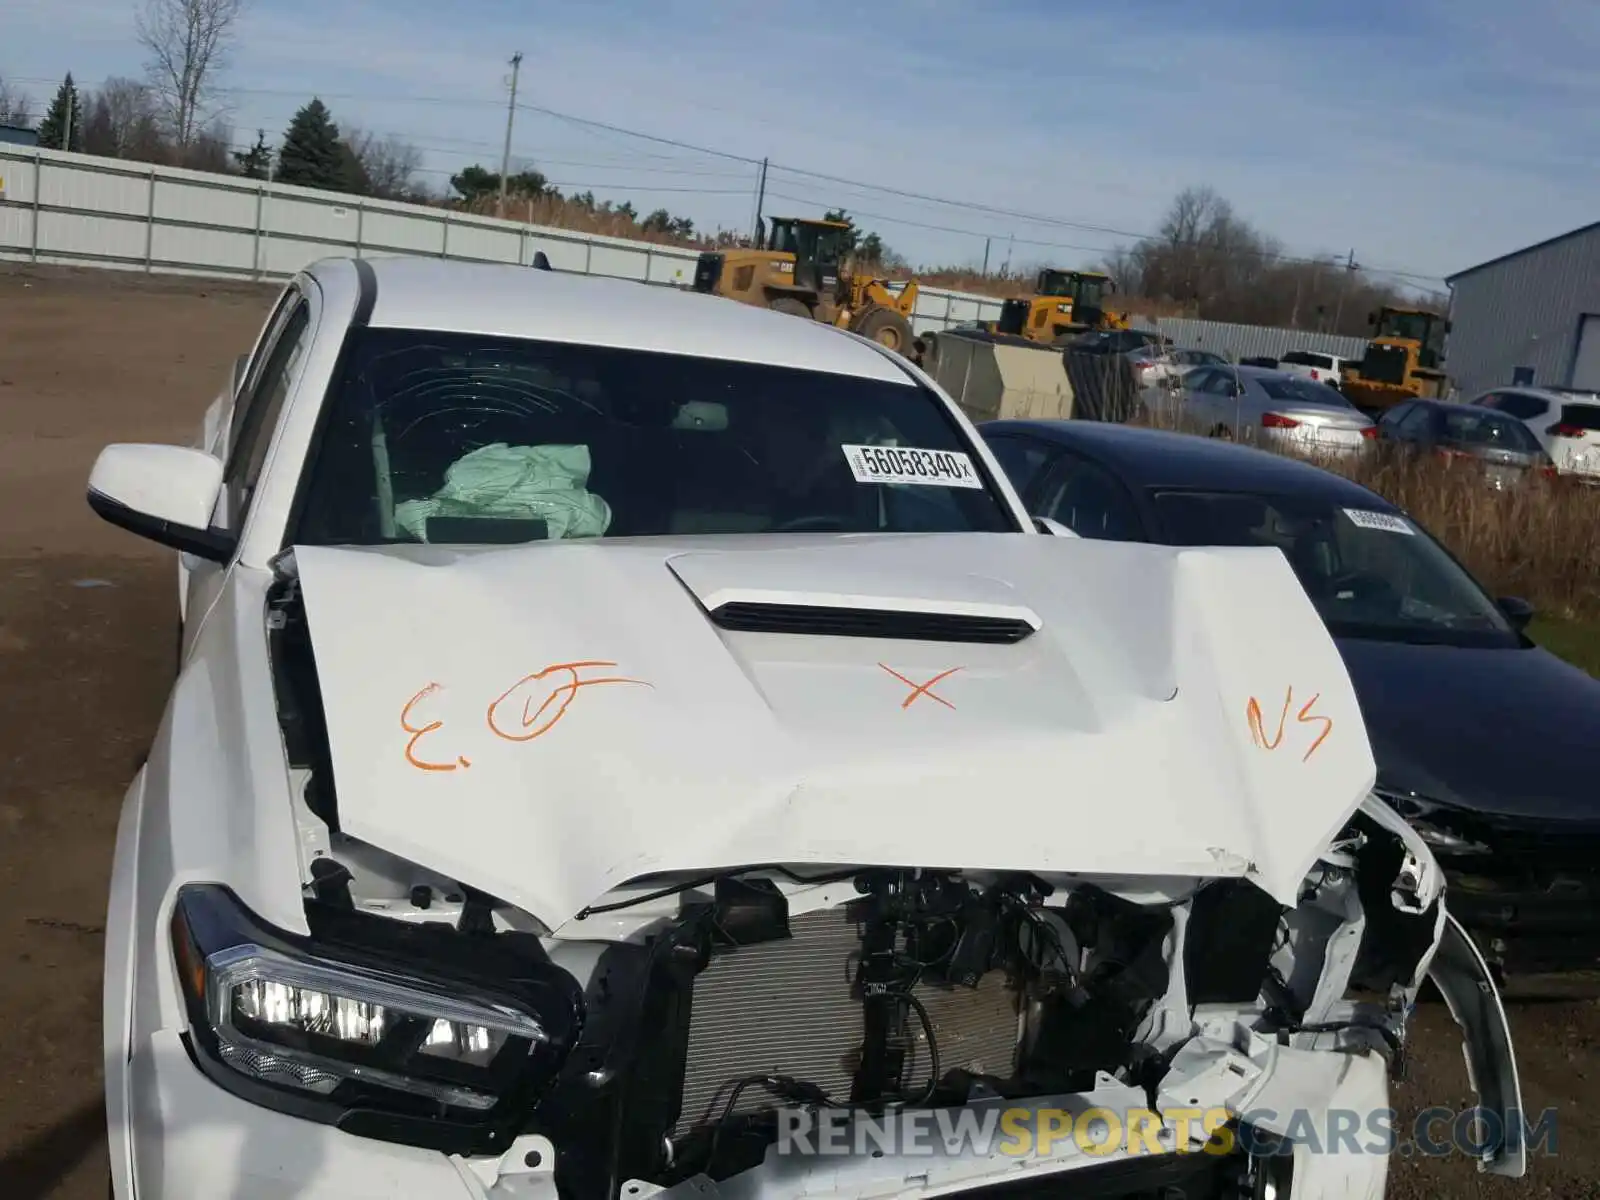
column 76, row 209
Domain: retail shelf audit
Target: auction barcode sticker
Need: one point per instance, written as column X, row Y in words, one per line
column 1387, row 522
column 911, row 464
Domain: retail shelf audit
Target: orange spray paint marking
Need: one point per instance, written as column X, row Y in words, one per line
column 1306, row 717
column 1258, row 731
column 419, row 732
column 922, row 689
column 555, row 697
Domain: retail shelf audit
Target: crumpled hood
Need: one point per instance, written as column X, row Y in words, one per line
column 545, row 722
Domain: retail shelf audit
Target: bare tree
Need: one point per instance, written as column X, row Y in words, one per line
column 15, row 105
column 121, row 121
column 389, row 164
column 188, row 42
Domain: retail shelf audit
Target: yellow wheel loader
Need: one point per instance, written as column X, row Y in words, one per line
column 1063, row 305
column 1401, row 361
column 804, row 268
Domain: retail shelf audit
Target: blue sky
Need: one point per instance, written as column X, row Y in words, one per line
column 1426, row 135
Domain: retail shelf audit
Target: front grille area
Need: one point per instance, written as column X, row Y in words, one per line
column 1384, row 364
column 1013, row 316
column 827, row 621
column 707, row 272
column 787, row 1007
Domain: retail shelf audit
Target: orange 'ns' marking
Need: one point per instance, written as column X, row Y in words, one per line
column 557, row 697
column 419, row 732
column 1258, row 732
column 922, row 689
column 1306, row 716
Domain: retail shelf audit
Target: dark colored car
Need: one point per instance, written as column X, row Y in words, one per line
column 1487, row 743
column 1506, row 447
column 1116, row 341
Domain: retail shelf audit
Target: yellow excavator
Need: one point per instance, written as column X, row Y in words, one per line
column 1402, row 361
column 804, row 267
column 1062, row 306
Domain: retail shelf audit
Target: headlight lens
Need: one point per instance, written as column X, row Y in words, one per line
column 349, row 1031
column 271, row 1011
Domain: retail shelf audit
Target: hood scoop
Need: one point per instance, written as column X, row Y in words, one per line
column 833, row 620
column 844, row 589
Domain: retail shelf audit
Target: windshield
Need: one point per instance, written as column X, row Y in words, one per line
column 1055, row 283
column 1091, row 292
column 1302, row 392
column 1413, row 325
column 1581, row 416
column 1370, row 574
column 1468, row 425
column 466, row 439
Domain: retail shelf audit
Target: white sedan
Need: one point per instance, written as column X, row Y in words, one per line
column 629, row 743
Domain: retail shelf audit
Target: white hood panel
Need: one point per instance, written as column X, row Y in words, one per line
column 1115, row 740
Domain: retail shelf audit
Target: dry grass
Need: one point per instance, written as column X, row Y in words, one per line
column 1540, row 541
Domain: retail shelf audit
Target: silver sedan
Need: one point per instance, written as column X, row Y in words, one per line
column 1273, row 409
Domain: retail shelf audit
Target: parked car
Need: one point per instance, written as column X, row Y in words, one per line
column 1315, row 366
column 1564, row 421
column 1483, row 739
column 1116, row 341
column 1272, row 408
column 1505, row 447
column 1188, row 359
column 588, row 686
column 1153, row 368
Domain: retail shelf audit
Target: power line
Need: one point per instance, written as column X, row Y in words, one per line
column 802, row 173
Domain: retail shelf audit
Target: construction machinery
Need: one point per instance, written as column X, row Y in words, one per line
column 804, row 267
column 1062, row 306
column 1402, row 361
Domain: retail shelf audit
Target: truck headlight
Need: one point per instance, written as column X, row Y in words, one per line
column 339, row 1033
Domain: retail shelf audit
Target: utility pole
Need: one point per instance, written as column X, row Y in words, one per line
column 761, row 201
column 66, row 130
column 1344, row 286
column 986, row 256
column 511, row 113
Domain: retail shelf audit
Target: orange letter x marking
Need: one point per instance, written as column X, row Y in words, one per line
column 922, row 689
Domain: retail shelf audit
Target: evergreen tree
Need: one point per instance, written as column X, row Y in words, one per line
column 256, row 162
column 62, row 127
column 313, row 154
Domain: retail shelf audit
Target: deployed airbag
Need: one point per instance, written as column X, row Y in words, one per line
column 543, row 483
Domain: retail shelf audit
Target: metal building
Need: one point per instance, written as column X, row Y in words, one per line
column 1531, row 316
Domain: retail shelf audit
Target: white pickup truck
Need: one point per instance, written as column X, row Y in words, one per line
column 1323, row 368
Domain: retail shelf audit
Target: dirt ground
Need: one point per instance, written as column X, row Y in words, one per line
column 86, row 619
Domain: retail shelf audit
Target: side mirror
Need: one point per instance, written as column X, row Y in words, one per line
column 163, row 493
column 1517, row 610
column 1051, row 526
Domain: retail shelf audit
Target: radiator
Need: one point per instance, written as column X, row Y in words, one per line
column 786, row 1007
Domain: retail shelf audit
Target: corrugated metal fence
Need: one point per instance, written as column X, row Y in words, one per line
column 1247, row 341
column 66, row 208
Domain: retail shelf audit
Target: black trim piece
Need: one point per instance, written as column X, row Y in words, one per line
column 213, row 545
column 827, row 621
column 366, row 300
column 367, row 281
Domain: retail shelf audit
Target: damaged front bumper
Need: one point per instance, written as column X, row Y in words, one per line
column 1222, row 1098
